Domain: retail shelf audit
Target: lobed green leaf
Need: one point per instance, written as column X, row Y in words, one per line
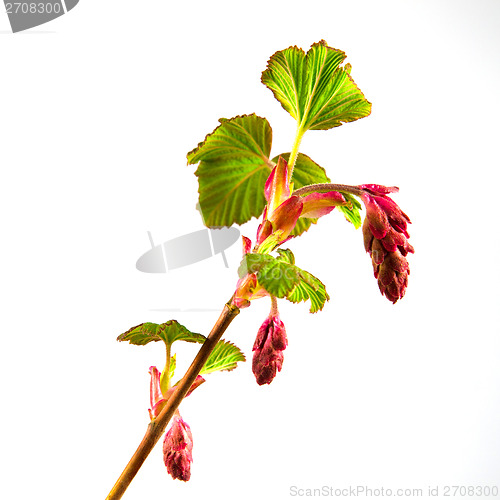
column 313, row 88
column 169, row 332
column 309, row 286
column 278, row 277
column 172, row 330
column 141, row 334
column 233, row 168
column 283, row 279
column 224, row 357
column 253, row 263
column 286, row 255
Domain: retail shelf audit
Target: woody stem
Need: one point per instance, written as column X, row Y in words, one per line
column 157, row 426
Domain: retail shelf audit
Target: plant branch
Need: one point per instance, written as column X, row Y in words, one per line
column 157, row 426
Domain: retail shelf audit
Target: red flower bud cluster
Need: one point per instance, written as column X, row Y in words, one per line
column 268, row 349
column 386, row 240
column 178, row 449
column 178, row 442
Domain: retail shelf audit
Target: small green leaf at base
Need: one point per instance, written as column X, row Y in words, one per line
column 309, row 286
column 276, row 276
column 283, row 279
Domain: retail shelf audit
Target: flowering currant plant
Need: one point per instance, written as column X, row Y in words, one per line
column 238, row 180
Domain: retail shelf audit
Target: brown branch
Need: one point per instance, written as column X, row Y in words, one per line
column 158, row 425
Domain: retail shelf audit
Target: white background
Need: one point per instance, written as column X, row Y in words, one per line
column 98, row 110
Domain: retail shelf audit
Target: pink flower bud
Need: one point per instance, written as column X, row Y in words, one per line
column 264, row 230
column 277, row 188
column 268, row 349
column 247, row 289
column 283, row 209
column 157, row 398
column 247, row 244
column 178, row 449
column 286, row 215
column 385, row 239
column 377, row 189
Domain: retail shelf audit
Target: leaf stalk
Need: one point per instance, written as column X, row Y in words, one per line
column 295, row 151
column 165, row 376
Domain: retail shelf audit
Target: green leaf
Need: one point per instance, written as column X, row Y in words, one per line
column 233, row 168
column 286, row 255
column 302, row 225
column 305, row 172
column 253, row 263
column 352, row 213
column 282, row 278
column 225, row 356
column 172, row 330
column 310, row 288
column 169, row 332
column 313, row 87
column 278, row 277
column 141, row 334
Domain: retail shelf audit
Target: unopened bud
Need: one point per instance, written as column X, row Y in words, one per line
column 268, row 349
column 178, row 449
column 386, row 240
